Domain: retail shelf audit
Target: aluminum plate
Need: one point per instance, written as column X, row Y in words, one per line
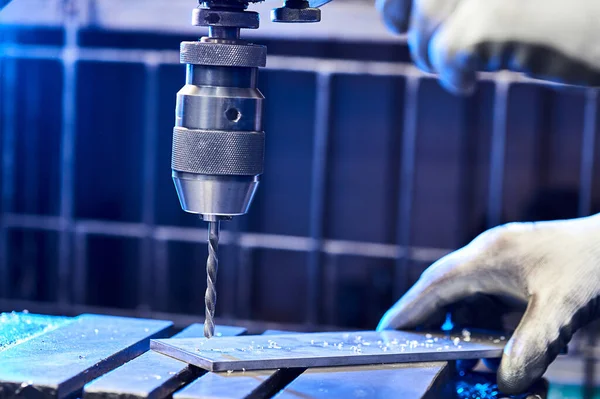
column 327, row 349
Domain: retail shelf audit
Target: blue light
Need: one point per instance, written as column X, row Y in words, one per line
column 448, row 325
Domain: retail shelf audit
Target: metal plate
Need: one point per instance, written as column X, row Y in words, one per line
column 16, row 328
column 58, row 363
column 151, row 375
column 326, row 349
column 407, row 381
column 239, row 384
column 375, row 381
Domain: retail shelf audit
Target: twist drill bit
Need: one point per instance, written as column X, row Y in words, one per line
column 212, row 266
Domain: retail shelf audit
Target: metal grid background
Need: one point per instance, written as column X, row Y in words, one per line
column 372, row 173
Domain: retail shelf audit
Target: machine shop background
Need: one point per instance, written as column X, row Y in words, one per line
column 372, row 170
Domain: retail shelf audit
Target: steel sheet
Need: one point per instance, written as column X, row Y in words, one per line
column 406, row 381
column 239, row 384
column 151, row 375
column 59, row 363
column 16, row 328
column 327, row 349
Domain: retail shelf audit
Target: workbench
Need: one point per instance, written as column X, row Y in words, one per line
column 94, row 357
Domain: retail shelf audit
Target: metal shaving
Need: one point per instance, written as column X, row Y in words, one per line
column 16, row 328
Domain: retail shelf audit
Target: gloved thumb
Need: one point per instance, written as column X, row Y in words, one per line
column 538, row 339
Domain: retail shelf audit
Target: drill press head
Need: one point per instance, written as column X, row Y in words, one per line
column 218, row 139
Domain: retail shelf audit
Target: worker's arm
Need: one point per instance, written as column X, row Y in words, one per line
column 553, row 267
column 550, row 39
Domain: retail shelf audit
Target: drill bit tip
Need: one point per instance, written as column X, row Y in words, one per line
column 212, row 266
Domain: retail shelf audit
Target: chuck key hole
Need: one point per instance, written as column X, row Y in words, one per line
column 212, row 18
column 233, row 115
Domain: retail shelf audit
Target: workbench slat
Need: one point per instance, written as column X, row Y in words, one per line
column 151, row 375
column 16, row 328
column 406, row 381
column 59, row 363
column 238, row 384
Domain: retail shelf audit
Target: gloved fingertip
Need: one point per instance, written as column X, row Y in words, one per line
column 386, row 320
column 398, row 318
column 380, row 5
column 393, row 15
column 382, row 326
column 418, row 51
column 455, row 68
column 520, row 367
column 422, row 66
column 458, row 83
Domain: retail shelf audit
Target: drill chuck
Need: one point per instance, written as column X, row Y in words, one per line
column 218, row 139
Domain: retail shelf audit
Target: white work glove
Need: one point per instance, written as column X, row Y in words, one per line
column 555, row 40
column 552, row 267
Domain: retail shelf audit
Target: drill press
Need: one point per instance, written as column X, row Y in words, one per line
column 218, row 139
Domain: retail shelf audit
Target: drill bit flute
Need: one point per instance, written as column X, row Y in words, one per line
column 212, row 266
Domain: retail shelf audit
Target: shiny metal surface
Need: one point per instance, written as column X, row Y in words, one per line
column 215, row 169
column 296, row 15
column 406, row 381
column 204, row 107
column 215, row 195
column 326, row 349
column 151, row 375
column 232, row 53
column 374, row 381
column 238, row 384
column 205, row 17
column 209, row 75
column 16, row 328
column 59, row 363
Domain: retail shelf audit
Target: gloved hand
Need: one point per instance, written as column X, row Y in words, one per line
column 552, row 266
column 548, row 39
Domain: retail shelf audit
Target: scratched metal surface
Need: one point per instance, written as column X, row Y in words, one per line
column 410, row 381
column 327, row 349
column 17, row 327
column 360, row 382
column 239, row 384
column 58, row 363
column 151, row 375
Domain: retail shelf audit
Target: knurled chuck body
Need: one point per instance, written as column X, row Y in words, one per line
column 218, row 139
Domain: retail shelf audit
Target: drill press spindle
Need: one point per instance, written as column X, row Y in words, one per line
column 218, row 139
column 218, row 142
